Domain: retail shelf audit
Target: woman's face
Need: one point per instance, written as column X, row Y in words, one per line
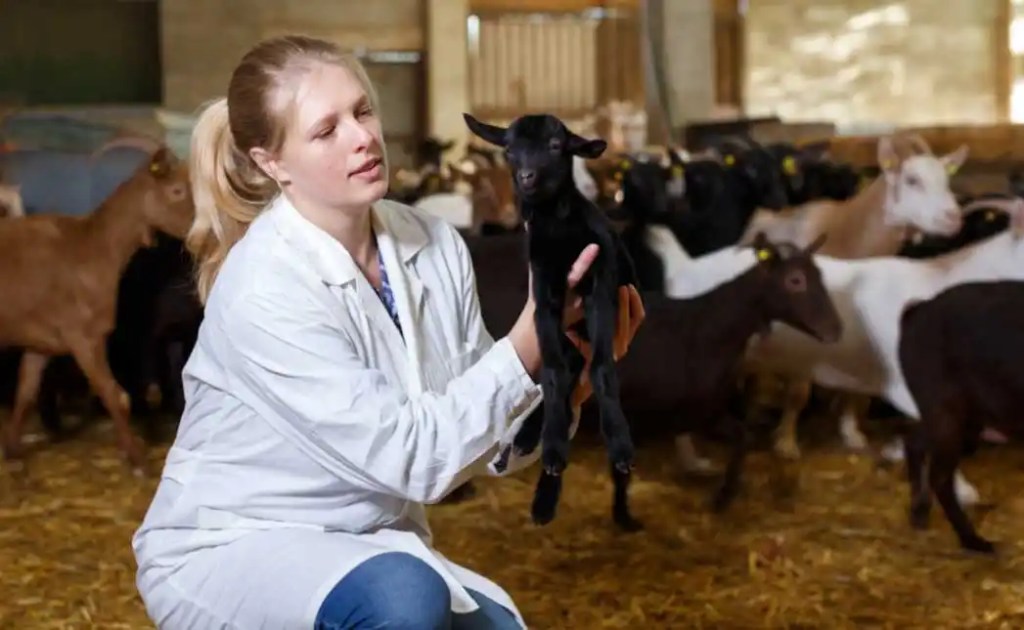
column 333, row 152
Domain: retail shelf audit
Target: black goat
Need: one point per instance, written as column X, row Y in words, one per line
column 561, row 223
column 960, row 355
column 711, row 331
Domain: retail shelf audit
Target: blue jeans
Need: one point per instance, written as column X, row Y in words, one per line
column 398, row 590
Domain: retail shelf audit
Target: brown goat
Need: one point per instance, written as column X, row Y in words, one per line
column 60, row 295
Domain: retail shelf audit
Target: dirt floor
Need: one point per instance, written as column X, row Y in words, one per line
column 838, row 554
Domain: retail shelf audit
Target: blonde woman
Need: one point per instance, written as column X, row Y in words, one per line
column 342, row 378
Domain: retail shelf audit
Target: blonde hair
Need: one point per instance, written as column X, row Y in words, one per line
column 229, row 189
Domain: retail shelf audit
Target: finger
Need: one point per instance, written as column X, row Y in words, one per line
column 582, row 264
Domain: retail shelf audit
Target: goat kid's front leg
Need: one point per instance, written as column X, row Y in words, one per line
column 602, row 309
column 91, row 356
column 30, row 374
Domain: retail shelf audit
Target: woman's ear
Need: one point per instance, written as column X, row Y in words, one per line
column 269, row 164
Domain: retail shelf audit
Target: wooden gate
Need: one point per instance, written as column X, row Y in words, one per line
column 565, row 63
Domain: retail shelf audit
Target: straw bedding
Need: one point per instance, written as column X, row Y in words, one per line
column 834, row 552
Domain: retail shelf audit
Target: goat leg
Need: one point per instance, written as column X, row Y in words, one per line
column 946, row 448
column 48, row 404
column 30, row 374
column 798, row 392
column 915, row 448
column 602, row 310
column 854, row 407
column 91, row 356
column 726, row 492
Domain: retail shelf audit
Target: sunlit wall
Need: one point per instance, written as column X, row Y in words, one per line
column 869, row 62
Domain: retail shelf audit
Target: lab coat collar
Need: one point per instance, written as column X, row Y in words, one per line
column 399, row 238
column 330, row 259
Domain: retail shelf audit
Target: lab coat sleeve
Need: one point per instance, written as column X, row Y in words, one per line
column 478, row 336
column 303, row 375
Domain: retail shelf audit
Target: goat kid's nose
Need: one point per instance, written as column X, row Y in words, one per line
column 527, row 176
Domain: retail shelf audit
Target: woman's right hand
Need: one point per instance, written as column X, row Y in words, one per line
column 523, row 334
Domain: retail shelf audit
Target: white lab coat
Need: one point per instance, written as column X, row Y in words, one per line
column 313, row 435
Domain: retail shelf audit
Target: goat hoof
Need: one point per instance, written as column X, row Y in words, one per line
column 977, row 544
column 919, row 516
column 787, row 449
column 722, row 499
column 625, row 467
column 628, row 524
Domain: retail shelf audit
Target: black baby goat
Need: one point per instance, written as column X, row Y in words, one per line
column 560, row 223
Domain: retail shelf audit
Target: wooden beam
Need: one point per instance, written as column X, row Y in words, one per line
column 1004, row 69
column 548, row 6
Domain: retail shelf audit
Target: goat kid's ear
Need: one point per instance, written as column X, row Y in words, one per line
column 587, row 149
column 490, row 133
column 953, row 161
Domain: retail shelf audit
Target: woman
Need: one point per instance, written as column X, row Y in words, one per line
column 342, row 377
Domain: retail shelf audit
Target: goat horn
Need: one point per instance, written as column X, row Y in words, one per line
column 144, row 143
column 918, row 142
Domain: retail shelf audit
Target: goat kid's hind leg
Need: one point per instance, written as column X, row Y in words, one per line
column 91, row 356
column 601, row 319
column 30, row 374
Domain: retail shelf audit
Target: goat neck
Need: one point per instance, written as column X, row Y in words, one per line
column 727, row 316
column 858, row 228
column 559, row 206
column 118, row 228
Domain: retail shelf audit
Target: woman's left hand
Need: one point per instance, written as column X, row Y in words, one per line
column 631, row 315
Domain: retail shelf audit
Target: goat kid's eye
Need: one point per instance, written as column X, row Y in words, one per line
column 555, row 146
column 913, row 180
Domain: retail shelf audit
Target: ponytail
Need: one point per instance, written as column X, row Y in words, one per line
column 229, row 192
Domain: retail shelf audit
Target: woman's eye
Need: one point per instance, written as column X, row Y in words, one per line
column 366, row 111
column 326, row 132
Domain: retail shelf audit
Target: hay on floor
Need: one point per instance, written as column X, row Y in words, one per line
column 838, row 554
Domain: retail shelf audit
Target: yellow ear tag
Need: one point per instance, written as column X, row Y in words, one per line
column 887, row 164
column 764, row 254
column 789, row 165
column 625, row 165
column 677, row 171
column 730, row 160
column 154, row 167
column 952, row 169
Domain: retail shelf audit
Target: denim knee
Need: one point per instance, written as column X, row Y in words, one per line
column 392, row 590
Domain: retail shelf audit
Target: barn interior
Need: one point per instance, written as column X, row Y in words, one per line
column 899, row 123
